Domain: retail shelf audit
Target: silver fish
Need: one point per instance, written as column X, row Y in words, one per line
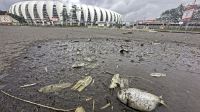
column 139, row 99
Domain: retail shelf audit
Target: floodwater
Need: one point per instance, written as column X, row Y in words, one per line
column 132, row 59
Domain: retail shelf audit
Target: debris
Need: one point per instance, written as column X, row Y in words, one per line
column 25, row 57
column 140, row 58
column 106, row 106
column 90, row 59
column 79, row 49
column 152, row 31
column 107, row 72
column 139, row 99
column 78, row 52
column 108, row 103
column 82, row 84
column 88, row 99
column 92, row 82
column 78, row 65
column 84, row 64
column 89, row 40
column 75, row 41
column 123, row 51
column 127, row 40
column 44, row 106
column 156, row 43
column 124, row 83
column 93, row 103
column 28, row 85
column 39, row 46
column 128, row 32
column 80, row 109
column 91, row 65
column 46, row 69
column 158, row 75
column 112, row 108
column 132, row 61
column 115, row 80
column 54, row 87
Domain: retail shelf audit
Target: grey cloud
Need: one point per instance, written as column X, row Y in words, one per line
column 130, row 9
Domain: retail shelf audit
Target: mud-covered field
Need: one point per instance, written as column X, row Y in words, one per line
column 46, row 55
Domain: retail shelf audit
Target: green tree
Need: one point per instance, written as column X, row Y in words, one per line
column 172, row 15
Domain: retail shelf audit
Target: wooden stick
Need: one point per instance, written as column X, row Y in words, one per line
column 105, row 106
column 93, row 103
column 28, row 85
column 52, row 108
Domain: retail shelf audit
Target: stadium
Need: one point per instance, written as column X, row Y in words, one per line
column 64, row 13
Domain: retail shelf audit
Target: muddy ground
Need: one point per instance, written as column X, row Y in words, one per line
column 27, row 52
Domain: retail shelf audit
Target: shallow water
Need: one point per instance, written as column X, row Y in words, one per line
column 180, row 88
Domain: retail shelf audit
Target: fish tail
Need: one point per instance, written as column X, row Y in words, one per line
column 163, row 103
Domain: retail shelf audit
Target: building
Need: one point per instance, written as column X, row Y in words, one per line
column 64, row 13
column 6, row 19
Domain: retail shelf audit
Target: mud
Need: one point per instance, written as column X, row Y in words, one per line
column 177, row 58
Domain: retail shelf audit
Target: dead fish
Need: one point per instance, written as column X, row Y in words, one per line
column 118, row 81
column 80, row 109
column 54, row 87
column 115, row 81
column 139, row 99
column 82, row 84
column 124, row 83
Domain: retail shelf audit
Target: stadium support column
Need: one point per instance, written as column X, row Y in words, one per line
column 52, row 23
column 42, row 23
column 34, row 22
column 79, row 23
column 70, row 23
column 107, row 24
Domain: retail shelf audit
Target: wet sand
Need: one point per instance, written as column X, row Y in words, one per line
column 25, row 52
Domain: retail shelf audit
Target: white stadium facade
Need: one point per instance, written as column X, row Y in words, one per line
column 64, row 13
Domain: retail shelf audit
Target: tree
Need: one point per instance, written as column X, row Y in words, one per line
column 172, row 15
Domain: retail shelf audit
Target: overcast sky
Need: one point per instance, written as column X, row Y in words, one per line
column 130, row 9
